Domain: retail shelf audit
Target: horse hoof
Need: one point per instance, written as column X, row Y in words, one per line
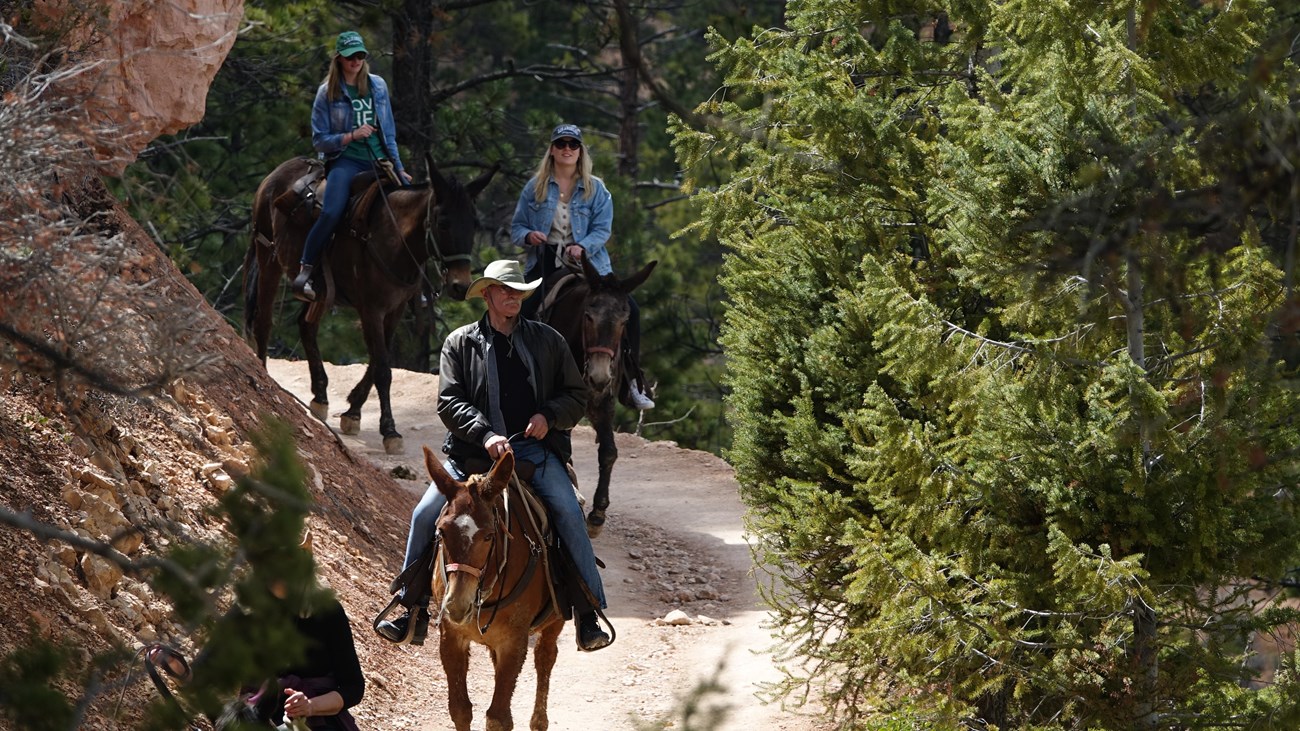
column 595, row 523
column 320, row 410
column 349, row 424
column 393, row 445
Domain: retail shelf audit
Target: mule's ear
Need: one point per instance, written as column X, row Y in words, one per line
column 638, row 279
column 589, row 271
column 499, row 476
column 306, row 541
column 477, row 185
column 435, row 176
column 447, row 485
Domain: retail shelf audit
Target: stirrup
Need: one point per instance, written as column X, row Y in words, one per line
column 301, row 285
column 417, row 626
column 383, row 615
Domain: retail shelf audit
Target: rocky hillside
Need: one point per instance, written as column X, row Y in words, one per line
column 142, row 473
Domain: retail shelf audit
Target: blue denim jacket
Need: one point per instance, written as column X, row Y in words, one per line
column 592, row 219
column 330, row 121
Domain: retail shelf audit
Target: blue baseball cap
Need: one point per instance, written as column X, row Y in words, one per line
column 567, row 130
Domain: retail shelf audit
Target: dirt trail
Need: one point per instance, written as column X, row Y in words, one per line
column 674, row 540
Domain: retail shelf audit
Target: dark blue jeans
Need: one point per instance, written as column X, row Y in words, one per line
column 338, row 186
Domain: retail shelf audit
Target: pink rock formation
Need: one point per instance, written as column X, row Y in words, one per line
column 150, row 63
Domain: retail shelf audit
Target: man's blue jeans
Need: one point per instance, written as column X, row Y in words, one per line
column 552, row 485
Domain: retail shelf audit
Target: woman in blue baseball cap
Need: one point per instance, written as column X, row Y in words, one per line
column 352, row 129
column 564, row 210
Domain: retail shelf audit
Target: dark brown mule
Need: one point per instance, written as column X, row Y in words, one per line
column 591, row 313
column 490, row 587
column 376, row 266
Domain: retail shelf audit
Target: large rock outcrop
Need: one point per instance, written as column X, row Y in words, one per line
column 147, row 65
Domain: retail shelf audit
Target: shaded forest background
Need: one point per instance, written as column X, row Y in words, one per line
column 474, row 84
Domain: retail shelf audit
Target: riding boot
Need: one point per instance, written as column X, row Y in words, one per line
column 590, row 636
column 301, row 286
column 404, row 629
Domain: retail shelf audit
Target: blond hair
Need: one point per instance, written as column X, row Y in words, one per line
column 334, row 79
column 546, row 170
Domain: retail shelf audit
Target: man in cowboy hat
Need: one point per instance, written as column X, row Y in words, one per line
column 509, row 384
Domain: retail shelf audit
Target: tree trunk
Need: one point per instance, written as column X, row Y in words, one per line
column 413, row 66
column 629, row 131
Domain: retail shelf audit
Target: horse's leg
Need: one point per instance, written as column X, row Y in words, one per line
column 266, row 287
column 381, row 372
column 350, row 420
column 544, row 653
column 320, row 400
column 454, row 650
column 509, row 660
column 602, row 420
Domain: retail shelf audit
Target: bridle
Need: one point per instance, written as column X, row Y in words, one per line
column 600, row 349
column 442, row 262
column 501, row 531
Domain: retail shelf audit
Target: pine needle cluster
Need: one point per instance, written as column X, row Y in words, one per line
column 1011, row 348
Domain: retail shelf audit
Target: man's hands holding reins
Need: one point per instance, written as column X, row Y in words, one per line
column 497, row 445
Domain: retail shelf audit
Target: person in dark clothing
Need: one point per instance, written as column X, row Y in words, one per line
column 328, row 681
column 318, row 689
column 509, row 384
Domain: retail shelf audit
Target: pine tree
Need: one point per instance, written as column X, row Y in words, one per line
column 1007, row 290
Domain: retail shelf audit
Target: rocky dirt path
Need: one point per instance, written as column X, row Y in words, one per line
column 674, row 541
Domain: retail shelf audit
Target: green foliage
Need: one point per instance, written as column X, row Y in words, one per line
column 29, row 696
column 266, row 515
column 263, row 569
column 1000, row 336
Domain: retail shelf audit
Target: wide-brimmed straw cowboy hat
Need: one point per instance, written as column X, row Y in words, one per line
column 507, row 273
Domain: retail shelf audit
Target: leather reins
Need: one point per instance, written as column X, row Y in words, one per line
column 501, row 527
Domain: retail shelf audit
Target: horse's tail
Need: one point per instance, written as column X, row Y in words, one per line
column 251, row 272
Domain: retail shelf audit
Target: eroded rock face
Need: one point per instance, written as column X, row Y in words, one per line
column 153, row 63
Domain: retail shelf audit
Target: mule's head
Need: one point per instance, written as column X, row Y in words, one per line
column 454, row 224
column 468, row 532
column 604, row 320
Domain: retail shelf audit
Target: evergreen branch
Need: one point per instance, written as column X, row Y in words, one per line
column 666, row 201
column 537, row 71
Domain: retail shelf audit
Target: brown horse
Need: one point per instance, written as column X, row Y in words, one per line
column 377, row 262
column 591, row 311
column 490, row 588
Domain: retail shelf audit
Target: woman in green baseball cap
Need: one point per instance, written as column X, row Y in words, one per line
column 352, row 130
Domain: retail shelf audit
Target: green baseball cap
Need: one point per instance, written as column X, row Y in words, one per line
column 349, row 42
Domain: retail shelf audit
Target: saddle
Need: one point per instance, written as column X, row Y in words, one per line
column 302, row 202
column 558, row 285
column 302, row 205
column 569, row 593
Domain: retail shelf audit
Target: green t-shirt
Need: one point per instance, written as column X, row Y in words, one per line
column 363, row 112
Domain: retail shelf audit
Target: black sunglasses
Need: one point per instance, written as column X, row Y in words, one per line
column 356, row 57
column 567, row 143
